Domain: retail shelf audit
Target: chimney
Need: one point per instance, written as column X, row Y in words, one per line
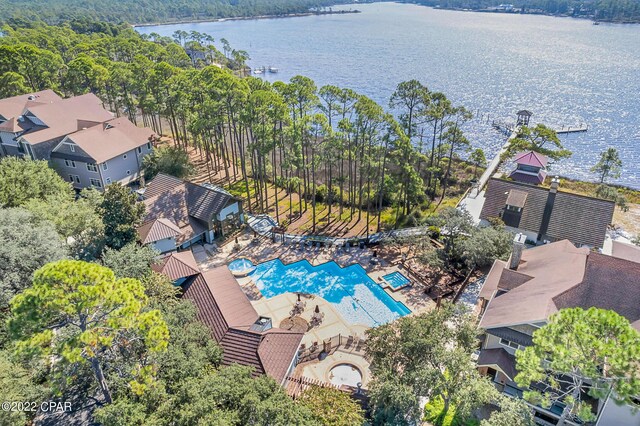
column 548, row 208
column 518, row 248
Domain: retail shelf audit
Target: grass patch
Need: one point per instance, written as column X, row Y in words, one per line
column 433, row 414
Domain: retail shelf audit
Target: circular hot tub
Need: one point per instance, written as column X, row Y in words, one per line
column 241, row 267
column 345, row 374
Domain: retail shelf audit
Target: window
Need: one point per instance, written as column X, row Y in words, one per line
column 74, row 178
column 128, row 172
column 139, row 150
column 514, row 208
column 72, row 148
column 96, row 183
column 149, row 145
column 511, row 344
column 70, row 163
column 105, row 166
column 30, row 151
column 92, row 167
column 124, row 156
column 108, row 180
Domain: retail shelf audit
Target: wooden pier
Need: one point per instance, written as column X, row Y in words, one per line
column 572, row 129
column 508, row 128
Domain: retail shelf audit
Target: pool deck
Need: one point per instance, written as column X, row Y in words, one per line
column 278, row 308
column 321, row 370
column 262, row 249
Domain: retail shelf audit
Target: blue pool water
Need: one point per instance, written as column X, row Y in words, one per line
column 356, row 296
column 240, row 265
column 396, row 280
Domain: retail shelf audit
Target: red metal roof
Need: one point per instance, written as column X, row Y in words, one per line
column 225, row 309
column 531, row 159
column 177, row 265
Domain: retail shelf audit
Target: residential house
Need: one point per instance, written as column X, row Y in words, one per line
column 180, row 213
column 547, row 214
column 12, row 120
column 40, row 126
column 245, row 337
column 519, row 295
column 105, row 153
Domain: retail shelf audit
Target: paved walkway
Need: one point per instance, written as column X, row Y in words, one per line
column 262, row 224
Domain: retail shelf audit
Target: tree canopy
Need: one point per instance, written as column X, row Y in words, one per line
column 170, row 160
column 81, row 314
column 78, row 221
column 331, row 407
column 24, row 180
column 581, row 352
column 609, row 165
column 121, row 215
column 424, row 356
column 26, row 244
column 540, row 139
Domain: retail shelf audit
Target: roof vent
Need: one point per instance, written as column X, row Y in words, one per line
column 261, row 325
column 21, row 118
column 32, row 97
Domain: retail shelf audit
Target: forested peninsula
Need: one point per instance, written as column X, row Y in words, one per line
column 26, row 12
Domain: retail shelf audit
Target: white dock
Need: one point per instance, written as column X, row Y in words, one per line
column 572, row 129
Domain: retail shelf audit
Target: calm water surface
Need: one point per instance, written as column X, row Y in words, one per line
column 567, row 71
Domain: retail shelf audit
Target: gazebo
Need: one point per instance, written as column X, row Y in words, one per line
column 523, row 117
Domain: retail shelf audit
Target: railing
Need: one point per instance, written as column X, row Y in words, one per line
column 347, row 344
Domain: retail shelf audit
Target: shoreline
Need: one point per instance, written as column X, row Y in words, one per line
column 246, row 18
column 538, row 13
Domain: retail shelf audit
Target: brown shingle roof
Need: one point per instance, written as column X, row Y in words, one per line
column 15, row 106
column 580, row 219
column 177, row 265
column 501, row 358
column 172, row 205
column 225, row 309
column 555, row 267
column 609, row 283
column 158, row 229
column 562, row 277
column 188, row 205
column 65, row 117
column 111, row 139
column 511, row 279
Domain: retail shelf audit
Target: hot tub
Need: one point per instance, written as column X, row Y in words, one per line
column 241, row 267
column 345, row 374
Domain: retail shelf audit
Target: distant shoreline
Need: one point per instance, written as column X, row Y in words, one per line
column 537, row 12
column 246, row 18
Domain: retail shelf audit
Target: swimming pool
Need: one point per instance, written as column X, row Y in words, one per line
column 355, row 296
column 396, row 280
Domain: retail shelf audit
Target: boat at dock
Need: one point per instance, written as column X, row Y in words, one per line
column 260, row 70
column 273, row 70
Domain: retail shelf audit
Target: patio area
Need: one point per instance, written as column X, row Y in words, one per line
column 376, row 261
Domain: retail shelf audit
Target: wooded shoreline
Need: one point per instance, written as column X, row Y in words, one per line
column 247, row 18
